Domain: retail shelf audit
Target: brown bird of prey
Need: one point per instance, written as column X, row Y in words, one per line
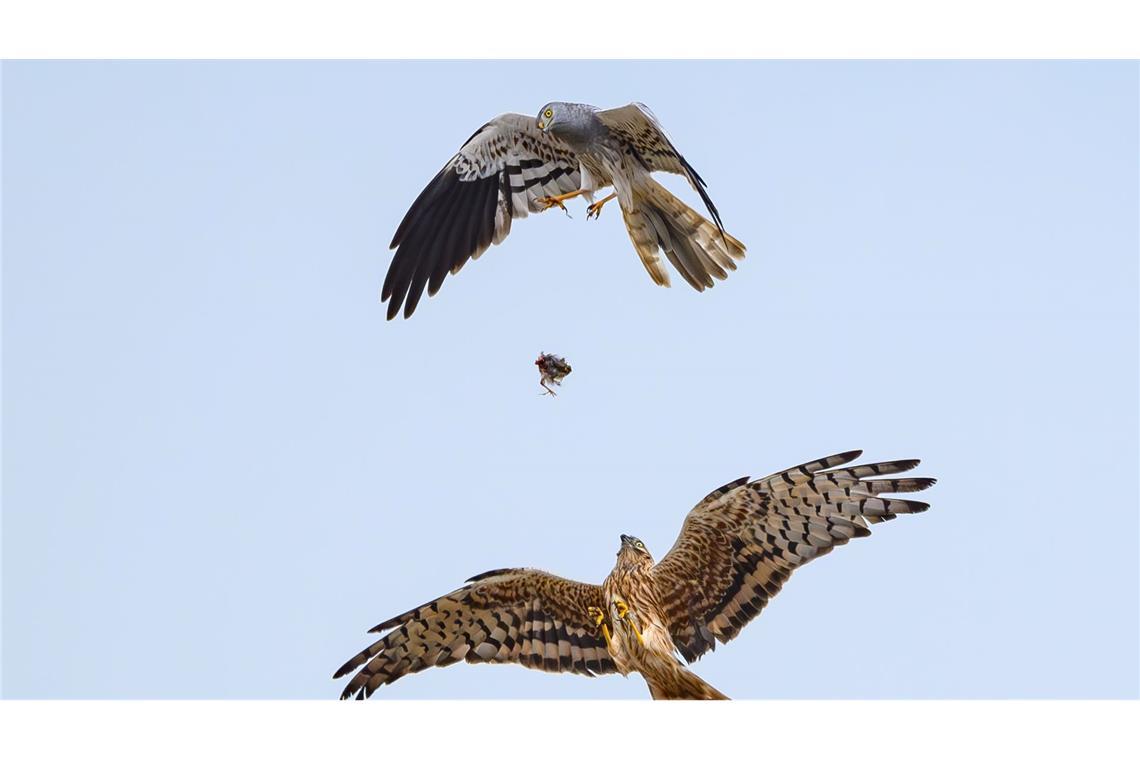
column 516, row 165
column 737, row 547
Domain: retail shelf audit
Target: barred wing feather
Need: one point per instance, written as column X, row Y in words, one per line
column 519, row 616
column 741, row 543
column 497, row 176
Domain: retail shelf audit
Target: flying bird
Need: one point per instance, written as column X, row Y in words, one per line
column 737, row 547
column 516, row 165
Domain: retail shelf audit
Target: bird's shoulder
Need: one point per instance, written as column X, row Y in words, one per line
column 505, row 135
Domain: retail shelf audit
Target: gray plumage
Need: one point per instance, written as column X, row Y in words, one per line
column 515, row 165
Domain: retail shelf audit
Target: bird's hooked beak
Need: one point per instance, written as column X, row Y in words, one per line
column 625, row 541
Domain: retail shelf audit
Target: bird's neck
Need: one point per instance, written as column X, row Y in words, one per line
column 583, row 131
column 626, row 571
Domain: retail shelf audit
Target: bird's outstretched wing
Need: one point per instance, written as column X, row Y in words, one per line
column 516, row 615
column 636, row 125
column 498, row 175
column 743, row 540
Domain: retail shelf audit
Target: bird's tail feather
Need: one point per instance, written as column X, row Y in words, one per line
column 696, row 247
column 670, row 679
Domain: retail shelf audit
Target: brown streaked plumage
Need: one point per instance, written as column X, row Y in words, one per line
column 736, row 549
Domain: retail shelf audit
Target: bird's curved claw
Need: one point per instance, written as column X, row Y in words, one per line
column 549, row 201
column 594, row 210
column 623, row 613
column 599, row 618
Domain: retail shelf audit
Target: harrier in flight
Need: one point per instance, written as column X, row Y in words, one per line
column 736, row 549
column 516, row 165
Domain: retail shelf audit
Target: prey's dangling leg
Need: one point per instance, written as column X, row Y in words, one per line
column 549, row 390
column 599, row 618
column 594, row 210
column 623, row 613
column 550, row 201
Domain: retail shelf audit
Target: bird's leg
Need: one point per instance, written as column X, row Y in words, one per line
column 549, row 390
column 550, row 201
column 623, row 614
column 594, row 210
column 600, row 620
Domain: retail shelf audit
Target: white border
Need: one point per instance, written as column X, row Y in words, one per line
column 540, row 28
column 565, row 29
column 580, row 730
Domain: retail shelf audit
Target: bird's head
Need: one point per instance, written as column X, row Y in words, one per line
column 575, row 124
column 550, row 114
column 633, row 550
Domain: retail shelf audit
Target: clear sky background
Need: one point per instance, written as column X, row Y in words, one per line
column 221, row 465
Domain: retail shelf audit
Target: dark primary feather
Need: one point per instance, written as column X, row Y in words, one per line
column 457, row 216
column 700, row 185
column 450, row 222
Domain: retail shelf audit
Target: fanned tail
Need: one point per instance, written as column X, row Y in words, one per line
column 669, row 679
column 696, row 247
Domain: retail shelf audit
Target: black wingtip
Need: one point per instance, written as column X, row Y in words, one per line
column 441, row 232
column 389, row 623
column 921, row 484
column 393, row 302
column 712, row 209
column 491, row 573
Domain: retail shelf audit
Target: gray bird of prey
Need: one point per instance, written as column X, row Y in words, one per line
column 515, row 165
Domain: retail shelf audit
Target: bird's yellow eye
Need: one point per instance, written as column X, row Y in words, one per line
column 640, row 545
column 547, row 113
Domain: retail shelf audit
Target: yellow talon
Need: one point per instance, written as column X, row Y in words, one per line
column 594, row 210
column 600, row 620
column 550, row 201
column 597, row 614
column 623, row 614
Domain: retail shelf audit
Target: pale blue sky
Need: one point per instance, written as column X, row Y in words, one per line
column 221, row 465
